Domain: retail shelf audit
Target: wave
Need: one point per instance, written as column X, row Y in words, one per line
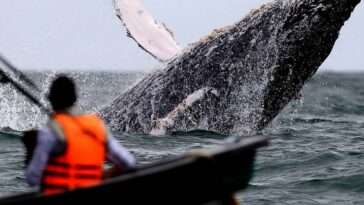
column 354, row 182
column 9, row 132
column 200, row 133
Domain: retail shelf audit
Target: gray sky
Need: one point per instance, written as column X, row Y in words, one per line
column 87, row 35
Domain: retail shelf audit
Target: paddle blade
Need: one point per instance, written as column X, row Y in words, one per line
column 155, row 39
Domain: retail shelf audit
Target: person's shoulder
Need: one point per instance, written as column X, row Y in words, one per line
column 93, row 119
column 55, row 130
column 94, row 116
column 86, row 114
column 46, row 134
column 46, row 129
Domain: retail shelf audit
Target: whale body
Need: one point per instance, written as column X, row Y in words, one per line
column 237, row 79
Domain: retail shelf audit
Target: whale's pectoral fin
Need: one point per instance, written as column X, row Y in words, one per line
column 189, row 113
column 154, row 38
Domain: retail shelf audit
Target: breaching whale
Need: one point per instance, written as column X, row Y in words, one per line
column 238, row 78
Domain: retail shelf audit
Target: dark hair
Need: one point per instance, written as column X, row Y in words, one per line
column 62, row 93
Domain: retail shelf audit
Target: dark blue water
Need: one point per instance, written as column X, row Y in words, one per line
column 316, row 154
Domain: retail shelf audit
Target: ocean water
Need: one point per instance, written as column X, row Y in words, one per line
column 315, row 156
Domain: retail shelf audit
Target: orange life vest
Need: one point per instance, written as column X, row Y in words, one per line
column 82, row 162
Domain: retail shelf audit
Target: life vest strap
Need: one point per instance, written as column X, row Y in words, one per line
column 56, row 174
column 88, row 176
column 59, row 164
column 77, row 166
column 87, row 166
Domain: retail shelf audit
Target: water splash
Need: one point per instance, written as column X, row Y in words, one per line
column 17, row 111
column 94, row 91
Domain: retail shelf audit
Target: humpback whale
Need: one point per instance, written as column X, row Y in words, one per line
column 238, row 78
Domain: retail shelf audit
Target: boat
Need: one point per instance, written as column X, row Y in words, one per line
column 193, row 178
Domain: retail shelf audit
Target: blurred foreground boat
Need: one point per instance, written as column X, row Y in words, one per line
column 194, row 178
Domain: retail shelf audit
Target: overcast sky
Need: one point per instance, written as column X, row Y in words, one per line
column 87, row 35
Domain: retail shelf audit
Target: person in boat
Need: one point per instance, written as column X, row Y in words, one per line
column 72, row 148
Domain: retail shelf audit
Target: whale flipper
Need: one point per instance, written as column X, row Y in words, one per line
column 155, row 39
column 203, row 100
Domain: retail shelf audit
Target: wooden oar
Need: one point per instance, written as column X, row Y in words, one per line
column 7, row 79
column 21, row 76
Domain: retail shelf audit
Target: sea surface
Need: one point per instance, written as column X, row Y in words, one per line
column 315, row 156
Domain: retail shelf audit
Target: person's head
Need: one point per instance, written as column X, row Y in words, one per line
column 62, row 93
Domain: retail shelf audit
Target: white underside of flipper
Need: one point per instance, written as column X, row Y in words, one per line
column 154, row 38
column 161, row 126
